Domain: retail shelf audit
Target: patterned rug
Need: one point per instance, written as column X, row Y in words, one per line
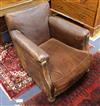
column 86, row 92
column 13, row 78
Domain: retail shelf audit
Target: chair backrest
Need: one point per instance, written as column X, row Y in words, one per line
column 32, row 22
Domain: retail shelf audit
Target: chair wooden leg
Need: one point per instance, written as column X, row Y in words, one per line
column 51, row 99
column 88, row 70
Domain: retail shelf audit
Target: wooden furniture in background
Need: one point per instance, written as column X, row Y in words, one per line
column 10, row 3
column 86, row 12
column 3, row 27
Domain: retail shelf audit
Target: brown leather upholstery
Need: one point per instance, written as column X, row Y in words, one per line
column 64, row 61
column 68, row 32
column 40, row 41
column 26, row 22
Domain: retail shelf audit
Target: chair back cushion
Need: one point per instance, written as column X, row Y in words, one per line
column 32, row 22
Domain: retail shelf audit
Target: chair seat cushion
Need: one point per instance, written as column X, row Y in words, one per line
column 66, row 64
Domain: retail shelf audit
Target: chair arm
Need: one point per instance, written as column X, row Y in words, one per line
column 30, row 55
column 29, row 46
column 69, row 33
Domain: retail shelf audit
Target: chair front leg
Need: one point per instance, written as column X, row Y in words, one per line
column 50, row 90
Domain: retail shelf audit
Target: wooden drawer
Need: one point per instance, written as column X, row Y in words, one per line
column 82, row 10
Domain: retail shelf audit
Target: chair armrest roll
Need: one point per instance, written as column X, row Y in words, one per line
column 29, row 46
column 68, row 32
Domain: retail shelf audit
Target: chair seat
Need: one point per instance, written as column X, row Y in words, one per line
column 65, row 63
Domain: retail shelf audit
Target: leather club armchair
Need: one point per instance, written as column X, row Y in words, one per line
column 49, row 47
